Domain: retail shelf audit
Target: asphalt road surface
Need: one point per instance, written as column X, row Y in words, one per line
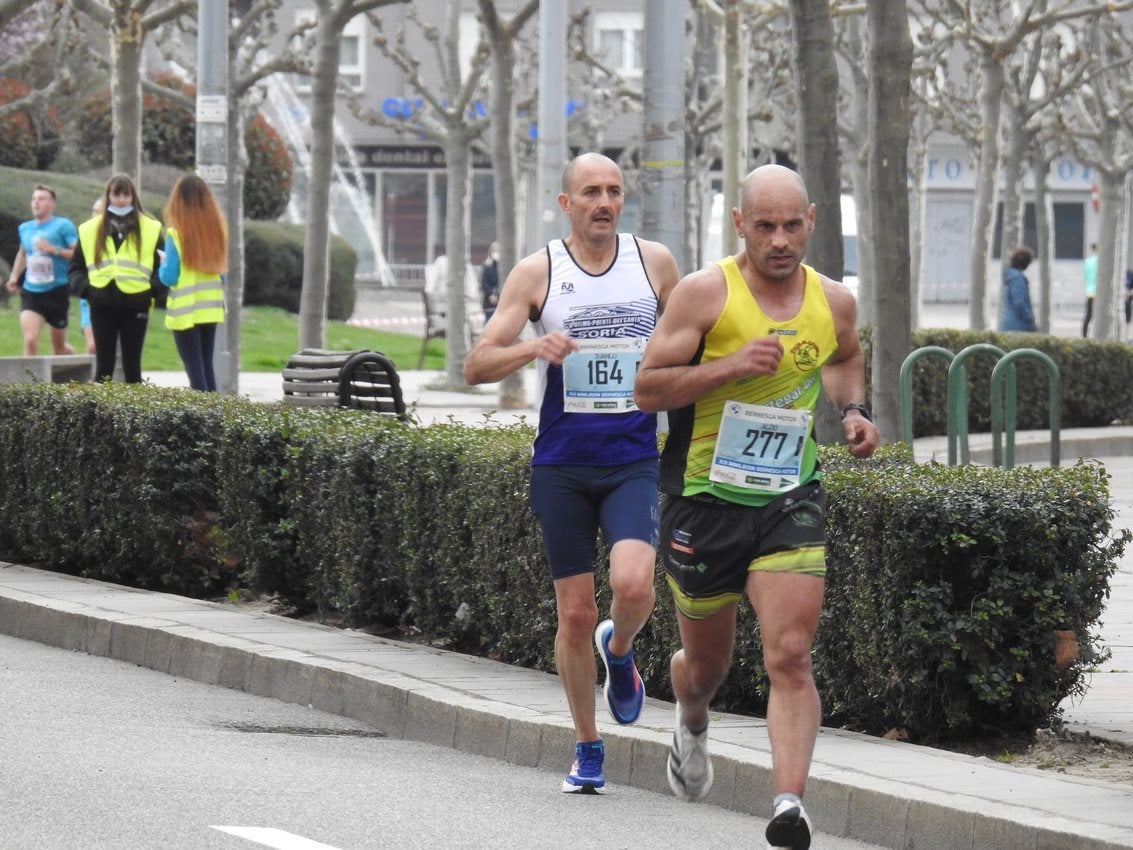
column 96, row 753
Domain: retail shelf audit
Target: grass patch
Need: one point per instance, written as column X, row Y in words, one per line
column 268, row 336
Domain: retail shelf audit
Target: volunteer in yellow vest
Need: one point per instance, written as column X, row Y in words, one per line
column 737, row 359
column 196, row 258
column 114, row 268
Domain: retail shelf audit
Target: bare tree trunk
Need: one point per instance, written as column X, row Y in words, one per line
column 1112, row 187
column 987, row 192
column 316, row 253
column 859, row 170
column 1045, row 249
column 1014, row 163
column 819, row 159
column 1121, row 253
column 735, row 118
column 891, row 59
column 234, row 283
column 126, row 97
column 917, row 215
column 9, row 9
column 816, row 80
column 705, row 46
column 458, row 212
column 501, row 38
column 331, row 18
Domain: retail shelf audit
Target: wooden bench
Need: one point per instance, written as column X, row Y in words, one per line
column 364, row 380
column 47, row 369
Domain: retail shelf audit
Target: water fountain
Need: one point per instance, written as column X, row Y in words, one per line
column 351, row 213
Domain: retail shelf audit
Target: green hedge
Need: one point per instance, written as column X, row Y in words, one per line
column 114, row 484
column 945, row 589
column 273, row 268
column 950, row 586
column 1096, row 380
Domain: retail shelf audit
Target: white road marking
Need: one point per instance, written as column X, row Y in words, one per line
column 276, row 838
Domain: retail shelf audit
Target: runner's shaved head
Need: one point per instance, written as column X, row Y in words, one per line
column 591, row 158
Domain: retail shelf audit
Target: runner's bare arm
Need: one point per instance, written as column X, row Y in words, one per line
column 18, row 266
column 499, row 351
column 843, row 375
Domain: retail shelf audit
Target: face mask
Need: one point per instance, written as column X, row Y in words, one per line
column 115, row 210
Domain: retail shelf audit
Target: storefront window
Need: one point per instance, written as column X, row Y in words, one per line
column 405, row 214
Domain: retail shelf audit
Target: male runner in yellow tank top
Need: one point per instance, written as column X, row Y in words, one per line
column 737, row 360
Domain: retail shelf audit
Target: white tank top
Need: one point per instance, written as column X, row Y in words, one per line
column 619, row 303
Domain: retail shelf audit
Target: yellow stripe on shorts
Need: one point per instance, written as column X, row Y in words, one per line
column 806, row 560
column 699, row 608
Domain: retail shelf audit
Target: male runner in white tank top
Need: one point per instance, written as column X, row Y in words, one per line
column 592, row 299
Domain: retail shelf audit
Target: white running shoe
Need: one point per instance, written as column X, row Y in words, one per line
column 689, row 768
column 789, row 827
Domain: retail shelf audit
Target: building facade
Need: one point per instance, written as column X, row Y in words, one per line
column 400, row 178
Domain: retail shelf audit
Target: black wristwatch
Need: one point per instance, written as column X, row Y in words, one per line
column 859, row 407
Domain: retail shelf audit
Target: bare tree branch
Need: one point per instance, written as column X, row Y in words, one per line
column 10, row 9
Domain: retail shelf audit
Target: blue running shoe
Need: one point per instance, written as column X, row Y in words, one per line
column 586, row 775
column 623, row 690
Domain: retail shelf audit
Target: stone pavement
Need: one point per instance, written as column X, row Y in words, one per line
column 887, row 793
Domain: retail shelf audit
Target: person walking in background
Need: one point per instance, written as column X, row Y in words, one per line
column 592, row 298
column 490, row 281
column 1090, row 279
column 115, row 268
column 1128, row 296
column 738, row 359
column 1015, row 313
column 47, row 242
column 196, row 258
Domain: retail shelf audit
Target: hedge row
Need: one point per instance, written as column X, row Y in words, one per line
column 947, row 586
column 1096, row 380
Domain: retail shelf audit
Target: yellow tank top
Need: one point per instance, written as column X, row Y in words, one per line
column 808, row 341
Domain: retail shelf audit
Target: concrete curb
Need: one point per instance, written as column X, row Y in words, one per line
column 1033, row 447
column 883, row 792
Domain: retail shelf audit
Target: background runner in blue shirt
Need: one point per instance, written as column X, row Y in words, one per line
column 46, row 245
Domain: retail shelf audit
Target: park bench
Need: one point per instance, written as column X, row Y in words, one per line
column 364, row 380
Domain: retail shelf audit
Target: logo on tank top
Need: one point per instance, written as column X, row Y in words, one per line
column 610, row 320
column 805, row 354
column 567, row 287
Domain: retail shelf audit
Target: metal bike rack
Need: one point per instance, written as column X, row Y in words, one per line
column 1003, row 400
column 1005, row 371
column 957, row 399
column 907, row 385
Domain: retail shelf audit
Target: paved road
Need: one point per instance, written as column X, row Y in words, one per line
column 102, row 754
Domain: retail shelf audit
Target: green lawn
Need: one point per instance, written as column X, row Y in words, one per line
column 268, row 336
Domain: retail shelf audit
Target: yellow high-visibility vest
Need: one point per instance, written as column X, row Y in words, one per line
column 196, row 299
column 130, row 264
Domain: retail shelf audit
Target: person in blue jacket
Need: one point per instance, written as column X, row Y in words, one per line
column 1015, row 313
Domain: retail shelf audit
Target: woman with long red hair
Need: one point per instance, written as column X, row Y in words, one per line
column 196, row 259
